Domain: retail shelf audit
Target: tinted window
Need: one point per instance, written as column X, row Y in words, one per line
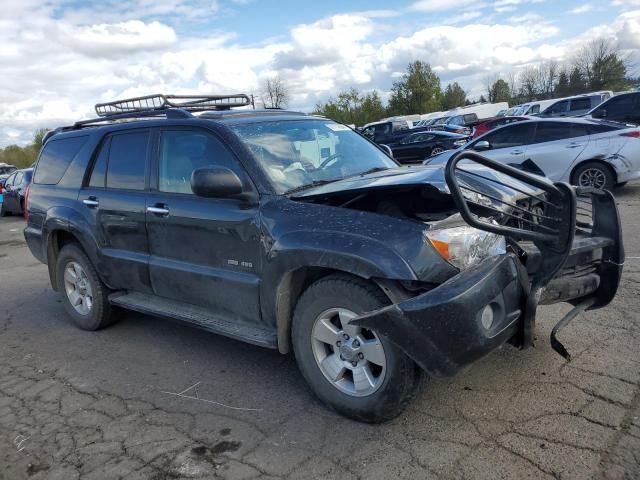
column 559, row 107
column 182, row 151
column 56, row 157
column 534, row 109
column 581, row 104
column 510, row 136
column 127, row 159
column 620, row 107
column 99, row 174
column 5, row 170
column 599, row 128
column 549, row 132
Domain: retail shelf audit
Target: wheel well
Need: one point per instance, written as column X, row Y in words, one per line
column 57, row 240
column 289, row 290
column 594, row 160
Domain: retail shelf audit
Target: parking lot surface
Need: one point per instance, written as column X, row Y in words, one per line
column 151, row 399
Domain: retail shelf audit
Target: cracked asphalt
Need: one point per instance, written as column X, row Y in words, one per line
column 151, row 399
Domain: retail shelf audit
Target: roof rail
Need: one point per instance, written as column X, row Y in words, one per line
column 191, row 103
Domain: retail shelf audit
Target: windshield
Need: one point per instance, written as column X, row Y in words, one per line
column 296, row 154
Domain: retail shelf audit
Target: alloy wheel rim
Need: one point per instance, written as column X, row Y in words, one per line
column 592, row 177
column 436, row 151
column 78, row 288
column 351, row 358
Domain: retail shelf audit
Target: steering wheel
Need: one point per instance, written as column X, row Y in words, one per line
column 327, row 160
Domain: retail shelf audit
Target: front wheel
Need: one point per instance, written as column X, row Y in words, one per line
column 354, row 370
column 594, row 174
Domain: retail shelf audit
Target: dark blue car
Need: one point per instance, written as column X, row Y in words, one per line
column 14, row 189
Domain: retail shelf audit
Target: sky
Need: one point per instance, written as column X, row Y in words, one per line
column 60, row 57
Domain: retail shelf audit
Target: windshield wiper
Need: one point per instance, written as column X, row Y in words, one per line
column 315, row 183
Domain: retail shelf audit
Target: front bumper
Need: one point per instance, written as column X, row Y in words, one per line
column 442, row 330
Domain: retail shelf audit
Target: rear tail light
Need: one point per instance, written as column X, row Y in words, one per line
column 26, row 202
column 632, row 134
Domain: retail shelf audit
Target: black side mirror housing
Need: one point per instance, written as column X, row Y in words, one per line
column 215, row 182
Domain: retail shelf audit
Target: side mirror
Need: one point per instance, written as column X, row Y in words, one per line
column 482, row 145
column 602, row 113
column 387, row 149
column 215, row 182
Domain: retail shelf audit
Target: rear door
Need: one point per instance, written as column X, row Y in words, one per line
column 555, row 147
column 113, row 201
column 204, row 251
column 507, row 144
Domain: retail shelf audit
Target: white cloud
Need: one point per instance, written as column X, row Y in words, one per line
column 584, row 8
column 626, row 3
column 440, row 5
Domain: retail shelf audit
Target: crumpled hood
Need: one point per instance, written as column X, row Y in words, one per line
column 480, row 179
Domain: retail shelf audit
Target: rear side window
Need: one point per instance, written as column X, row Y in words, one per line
column 581, row 103
column 559, row 107
column 510, row 136
column 56, row 157
column 127, row 160
column 534, row 109
column 99, row 174
column 550, row 132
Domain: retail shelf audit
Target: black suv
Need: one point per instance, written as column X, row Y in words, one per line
column 295, row 232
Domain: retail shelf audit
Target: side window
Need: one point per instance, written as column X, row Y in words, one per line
column 99, row 174
column 560, row 107
column 619, row 107
column 18, row 180
column 510, row 136
column 56, row 157
column 9, row 180
column 551, row 131
column 183, row 151
column 127, row 160
column 581, row 104
column 534, row 109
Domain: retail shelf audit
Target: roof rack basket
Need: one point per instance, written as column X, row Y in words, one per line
column 190, row 103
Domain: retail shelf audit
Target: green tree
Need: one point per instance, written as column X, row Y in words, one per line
column 562, row 86
column 577, row 83
column 454, row 96
column 372, row 108
column 23, row 157
column 352, row 107
column 499, row 92
column 417, row 92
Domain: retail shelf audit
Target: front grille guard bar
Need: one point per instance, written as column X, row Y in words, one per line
column 552, row 231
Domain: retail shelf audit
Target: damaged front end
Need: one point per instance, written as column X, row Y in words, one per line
column 563, row 244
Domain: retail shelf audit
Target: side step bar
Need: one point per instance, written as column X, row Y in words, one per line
column 197, row 316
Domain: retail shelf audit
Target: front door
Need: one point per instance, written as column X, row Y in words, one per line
column 113, row 203
column 508, row 144
column 9, row 193
column 204, row 251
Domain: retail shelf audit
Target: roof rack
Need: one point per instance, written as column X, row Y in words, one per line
column 157, row 102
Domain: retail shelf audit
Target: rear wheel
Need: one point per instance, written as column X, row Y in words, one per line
column 84, row 293
column 436, row 151
column 354, row 370
column 594, row 174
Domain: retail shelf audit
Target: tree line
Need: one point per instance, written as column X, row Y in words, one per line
column 23, row 157
column 598, row 66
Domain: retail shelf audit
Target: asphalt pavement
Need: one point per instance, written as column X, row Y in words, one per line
column 152, row 399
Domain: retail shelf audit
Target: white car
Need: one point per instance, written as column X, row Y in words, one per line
column 583, row 152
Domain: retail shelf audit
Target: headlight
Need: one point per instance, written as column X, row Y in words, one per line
column 465, row 246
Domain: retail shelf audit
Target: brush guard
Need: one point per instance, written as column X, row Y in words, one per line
column 569, row 238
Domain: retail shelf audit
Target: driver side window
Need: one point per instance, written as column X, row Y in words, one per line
column 183, row 151
column 510, row 136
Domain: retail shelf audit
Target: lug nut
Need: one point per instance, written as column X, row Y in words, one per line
column 338, row 343
column 345, row 336
column 361, row 355
column 354, row 363
column 356, row 343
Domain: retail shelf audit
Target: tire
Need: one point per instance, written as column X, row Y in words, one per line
column 3, row 212
column 395, row 382
column 87, row 315
column 594, row 174
column 436, row 150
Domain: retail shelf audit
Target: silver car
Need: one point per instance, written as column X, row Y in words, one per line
column 583, row 152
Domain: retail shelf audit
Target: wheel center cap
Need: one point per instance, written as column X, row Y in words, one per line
column 347, row 352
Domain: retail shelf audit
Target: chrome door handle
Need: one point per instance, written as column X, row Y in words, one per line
column 158, row 210
column 517, row 152
column 574, row 145
column 91, row 202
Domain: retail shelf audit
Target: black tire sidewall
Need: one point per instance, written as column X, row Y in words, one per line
column 100, row 313
column 400, row 376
